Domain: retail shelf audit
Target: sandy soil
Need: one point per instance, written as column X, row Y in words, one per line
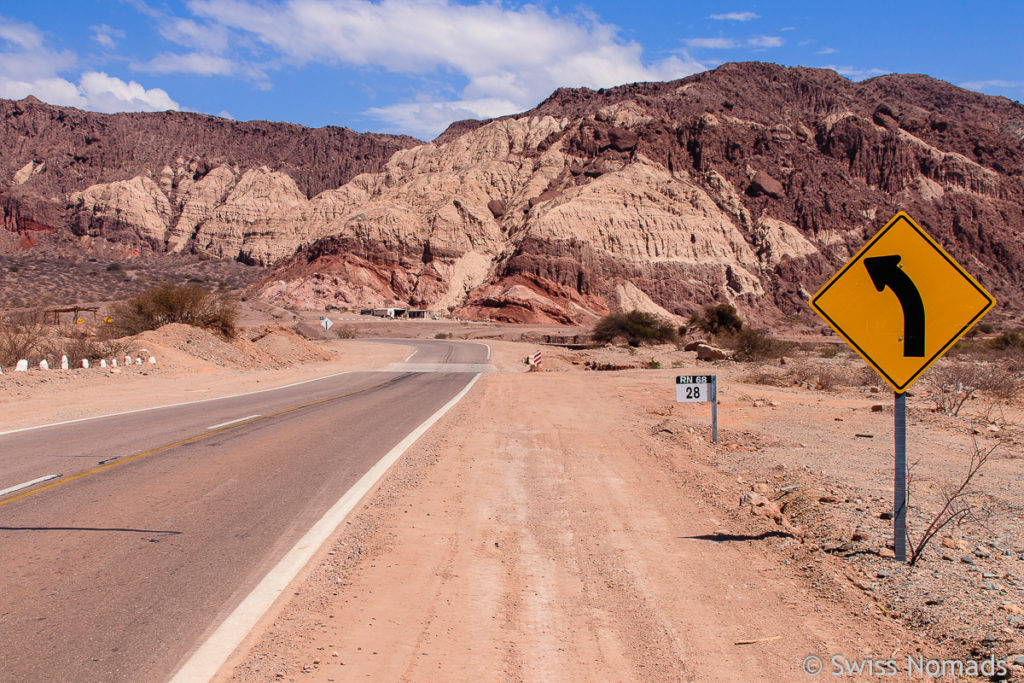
column 570, row 525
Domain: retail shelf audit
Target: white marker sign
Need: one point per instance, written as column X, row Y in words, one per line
column 700, row 389
column 694, row 388
column 326, row 322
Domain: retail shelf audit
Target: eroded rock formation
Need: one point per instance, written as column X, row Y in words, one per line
column 749, row 184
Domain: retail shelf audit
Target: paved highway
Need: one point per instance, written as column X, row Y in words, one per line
column 164, row 520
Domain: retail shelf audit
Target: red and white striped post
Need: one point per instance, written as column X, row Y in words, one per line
column 536, row 358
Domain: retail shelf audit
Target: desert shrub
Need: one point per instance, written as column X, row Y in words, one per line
column 653, row 364
column 86, row 347
column 114, row 267
column 827, row 378
column 830, row 351
column 952, row 384
column 1007, row 340
column 636, row 327
column 678, row 363
column 443, row 335
column 764, row 377
column 1003, row 380
column 346, row 332
column 716, row 320
column 755, row 345
column 985, row 328
column 189, row 304
column 23, row 336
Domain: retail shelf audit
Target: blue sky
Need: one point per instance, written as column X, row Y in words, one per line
column 413, row 66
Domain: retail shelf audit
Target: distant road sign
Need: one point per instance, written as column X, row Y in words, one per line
column 930, row 303
column 694, row 388
column 326, row 322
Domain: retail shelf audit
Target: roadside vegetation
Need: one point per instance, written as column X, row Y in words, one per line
column 30, row 336
column 634, row 328
column 186, row 304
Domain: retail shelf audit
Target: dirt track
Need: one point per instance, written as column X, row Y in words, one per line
column 540, row 533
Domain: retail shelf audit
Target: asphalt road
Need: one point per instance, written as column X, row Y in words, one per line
column 163, row 520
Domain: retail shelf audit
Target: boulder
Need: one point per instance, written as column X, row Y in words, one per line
column 765, row 184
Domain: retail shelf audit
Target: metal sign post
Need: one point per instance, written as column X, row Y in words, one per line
column 700, row 389
column 899, row 518
column 714, row 408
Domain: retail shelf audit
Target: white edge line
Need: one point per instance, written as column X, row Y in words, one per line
column 231, row 422
column 207, row 660
column 409, row 356
column 19, row 487
column 183, row 403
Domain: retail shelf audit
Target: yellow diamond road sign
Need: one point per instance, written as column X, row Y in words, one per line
column 901, row 302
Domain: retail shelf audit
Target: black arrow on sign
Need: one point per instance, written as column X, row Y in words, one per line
column 885, row 272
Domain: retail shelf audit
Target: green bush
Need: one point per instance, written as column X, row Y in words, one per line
column 188, row 304
column 653, row 364
column 636, row 327
column 716, row 320
column 754, row 345
column 1008, row 340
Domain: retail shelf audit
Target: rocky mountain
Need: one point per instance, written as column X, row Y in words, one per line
column 749, row 184
column 146, row 181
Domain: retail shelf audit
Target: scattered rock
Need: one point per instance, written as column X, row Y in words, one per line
column 885, row 515
column 967, row 559
column 877, row 408
column 763, row 183
column 887, row 553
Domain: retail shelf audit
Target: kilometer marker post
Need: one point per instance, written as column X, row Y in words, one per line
column 700, row 389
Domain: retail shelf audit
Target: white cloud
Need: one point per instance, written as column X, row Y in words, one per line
column 826, row 51
column 713, row 43
column 110, row 94
column 106, row 36
column 191, row 63
column 735, row 16
column 511, row 56
column 202, row 37
column 856, row 73
column 995, row 83
column 29, row 67
column 765, row 41
column 788, row 28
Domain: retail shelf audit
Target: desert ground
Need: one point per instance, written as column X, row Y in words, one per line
column 568, row 524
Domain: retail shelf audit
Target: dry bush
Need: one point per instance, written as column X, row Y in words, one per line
column 819, row 376
column 755, row 345
column 23, row 335
column 1003, row 380
column 765, row 377
column 26, row 336
column 188, row 304
column 85, row 347
column 636, row 327
column 347, row 332
column 952, row 384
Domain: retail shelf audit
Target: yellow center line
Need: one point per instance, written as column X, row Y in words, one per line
column 191, row 439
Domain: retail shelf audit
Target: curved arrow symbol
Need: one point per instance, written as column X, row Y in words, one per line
column 885, row 272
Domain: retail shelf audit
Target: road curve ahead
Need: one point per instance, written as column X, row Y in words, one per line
column 162, row 521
